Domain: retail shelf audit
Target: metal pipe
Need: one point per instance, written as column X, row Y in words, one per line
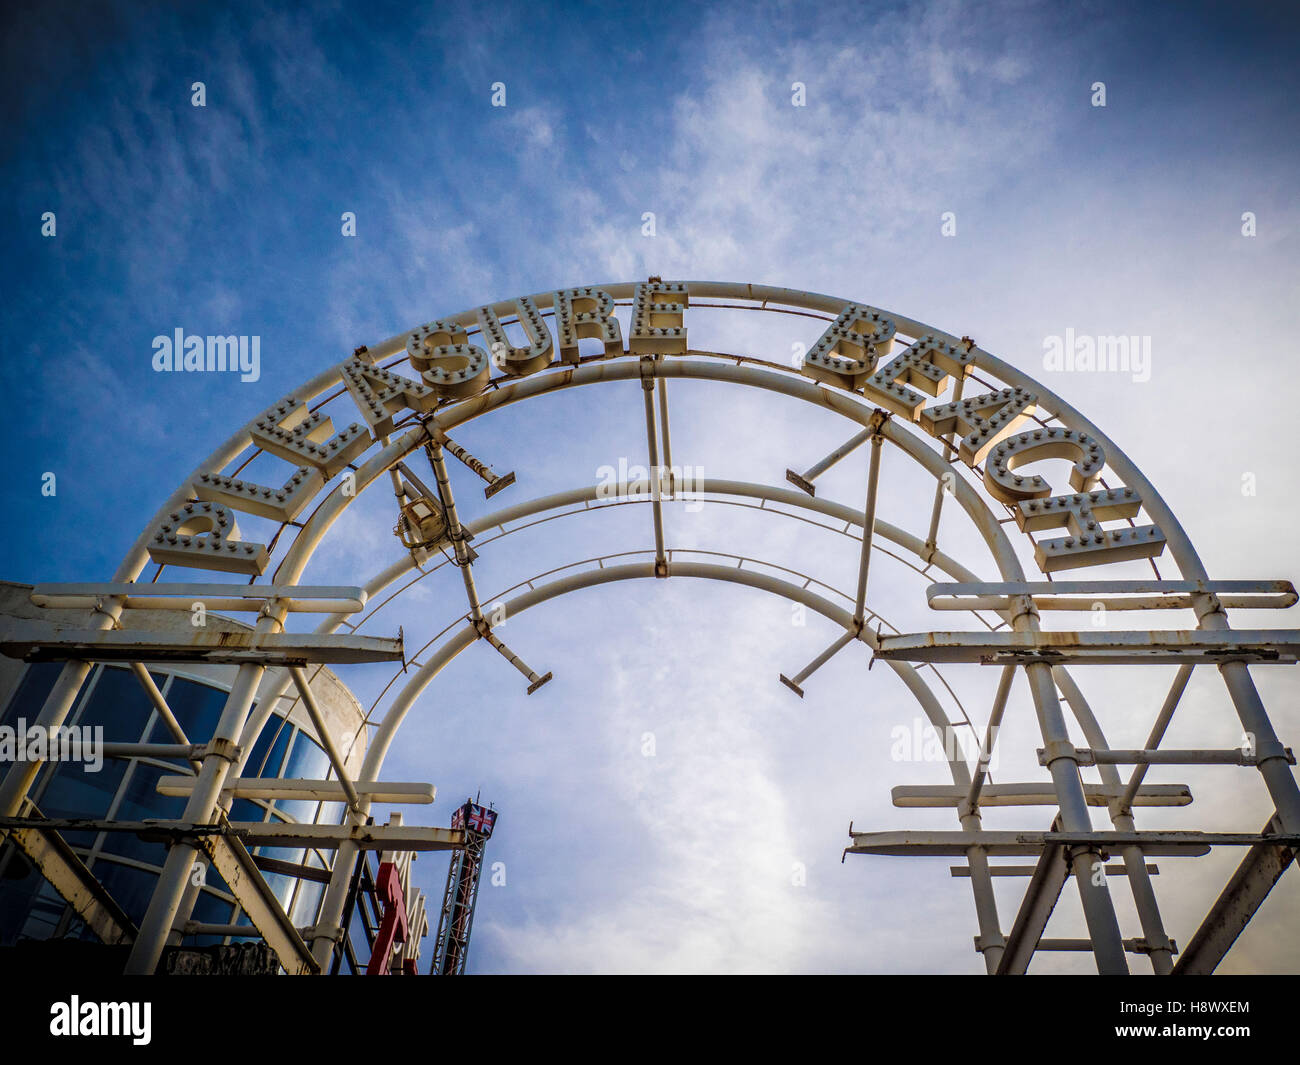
column 656, row 505
column 662, row 389
column 1157, row 733
column 940, row 489
column 495, row 483
column 1231, row 756
column 992, row 942
column 454, row 531
column 972, row 801
column 805, row 480
column 160, row 704
column 1144, row 896
column 420, row 486
column 535, row 680
column 323, row 734
column 1098, row 907
column 868, row 528
column 188, row 751
column 176, row 871
column 817, row 663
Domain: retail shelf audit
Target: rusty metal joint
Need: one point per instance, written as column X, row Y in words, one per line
column 876, row 423
column 334, row 933
column 1054, row 750
column 647, row 369
column 221, row 748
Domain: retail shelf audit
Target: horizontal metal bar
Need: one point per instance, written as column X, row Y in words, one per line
column 1146, row 595
column 319, row 790
column 223, row 606
column 1118, row 869
column 198, row 928
column 261, row 833
column 366, row 837
column 1133, row 946
column 304, row 598
column 956, row 844
column 187, row 751
column 942, row 795
column 294, row 869
column 35, row 642
column 1180, row 646
column 1230, row 756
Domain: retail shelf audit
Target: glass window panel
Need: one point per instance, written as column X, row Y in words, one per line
column 246, row 810
column 308, row 902
column 19, row 888
column 42, row 918
column 119, row 704
column 132, row 888
column 197, row 707
column 140, row 800
column 301, row 810
column 74, row 792
column 307, row 758
column 268, row 751
column 32, row 691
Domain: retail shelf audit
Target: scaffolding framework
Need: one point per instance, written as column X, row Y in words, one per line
column 969, row 456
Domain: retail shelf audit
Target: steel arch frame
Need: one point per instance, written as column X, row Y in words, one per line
column 1043, row 679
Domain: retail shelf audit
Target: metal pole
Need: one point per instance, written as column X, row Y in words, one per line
column 656, row 506
column 662, row 389
column 454, row 531
column 175, row 875
column 1163, row 718
column 1144, row 896
column 1098, row 908
column 323, row 733
column 972, row 801
column 456, row 534
column 932, row 537
column 160, row 704
column 805, row 480
column 868, row 528
column 795, row 685
column 495, row 483
column 535, row 680
column 992, row 942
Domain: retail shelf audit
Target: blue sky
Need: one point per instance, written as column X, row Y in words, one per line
column 226, row 219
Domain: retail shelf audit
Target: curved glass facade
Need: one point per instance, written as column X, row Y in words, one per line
column 125, row 789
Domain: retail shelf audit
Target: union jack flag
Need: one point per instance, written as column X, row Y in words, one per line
column 474, row 817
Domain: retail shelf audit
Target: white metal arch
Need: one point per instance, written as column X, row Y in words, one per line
column 1021, row 613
